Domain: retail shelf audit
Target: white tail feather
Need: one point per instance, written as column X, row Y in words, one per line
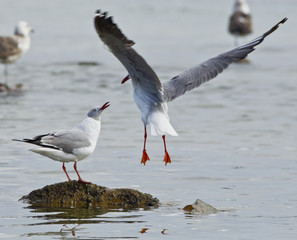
column 159, row 124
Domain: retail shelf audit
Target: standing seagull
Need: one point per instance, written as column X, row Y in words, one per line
column 240, row 23
column 71, row 145
column 150, row 95
column 13, row 47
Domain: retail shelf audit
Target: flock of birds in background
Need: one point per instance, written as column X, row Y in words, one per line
column 150, row 95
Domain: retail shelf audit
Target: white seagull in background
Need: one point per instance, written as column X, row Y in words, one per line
column 150, row 95
column 13, row 47
column 240, row 22
column 71, row 145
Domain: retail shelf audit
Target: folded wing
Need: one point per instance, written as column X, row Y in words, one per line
column 8, row 47
column 65, row 141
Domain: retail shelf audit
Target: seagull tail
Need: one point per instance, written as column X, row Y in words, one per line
column 19, row 140
column 159, row 125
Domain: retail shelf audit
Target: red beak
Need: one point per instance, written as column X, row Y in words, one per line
column 126, row 79
column 105, row 105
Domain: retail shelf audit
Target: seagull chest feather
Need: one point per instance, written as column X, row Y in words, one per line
column 24, row 43
column 92, row 129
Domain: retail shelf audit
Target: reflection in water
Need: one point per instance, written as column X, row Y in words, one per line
column 71, row 220
column 143, row 230
column 71, row 223
column 66, row 216
column 71, row 229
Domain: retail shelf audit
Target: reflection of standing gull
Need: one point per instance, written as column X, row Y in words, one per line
column 150, row 95
column 13, row 47
column 71, row 145
column 240, row 23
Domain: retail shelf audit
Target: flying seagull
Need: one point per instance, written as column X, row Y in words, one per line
column 13, row 47
column 150, row 95
column 240, row 22
column 70, row 145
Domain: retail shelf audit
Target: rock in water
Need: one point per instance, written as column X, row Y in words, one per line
column 78, row 195
column 200, row 207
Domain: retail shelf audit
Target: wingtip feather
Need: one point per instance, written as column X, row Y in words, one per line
column 276, row 26
column 104, row 24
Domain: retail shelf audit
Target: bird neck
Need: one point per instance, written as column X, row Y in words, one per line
column 24, row 42
column 90, row 127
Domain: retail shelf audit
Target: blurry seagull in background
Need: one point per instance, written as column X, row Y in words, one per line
column 71, row 145
column 13, row 47
column 150, row 95
column 240, row 22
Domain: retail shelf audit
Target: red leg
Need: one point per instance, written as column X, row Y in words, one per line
column 167, row 157
column 145, row 157
column 79, row 178
column 64, row 168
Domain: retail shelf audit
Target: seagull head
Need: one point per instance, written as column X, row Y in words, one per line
column 96, row 112
column 23, row 29
column 241, row 6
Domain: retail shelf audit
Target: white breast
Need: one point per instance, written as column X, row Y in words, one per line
column 92, row 129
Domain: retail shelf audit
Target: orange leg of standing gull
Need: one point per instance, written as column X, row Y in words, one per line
column 64, row 168
column 145, row 157
column 167, row 157
column 79, row 178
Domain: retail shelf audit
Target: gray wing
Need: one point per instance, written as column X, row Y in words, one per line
column 140, row 72
column 65, row 141
column 209, row 69
column 8, row 47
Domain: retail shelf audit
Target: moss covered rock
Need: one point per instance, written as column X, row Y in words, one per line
column 79, row 195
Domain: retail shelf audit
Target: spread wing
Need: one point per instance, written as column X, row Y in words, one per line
column 209, row 69
column 140, row 72
column 65, row 141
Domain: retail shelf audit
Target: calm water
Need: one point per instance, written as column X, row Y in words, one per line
column 236, row 148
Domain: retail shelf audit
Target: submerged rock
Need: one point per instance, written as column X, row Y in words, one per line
column 79, row 195
column 200, row 207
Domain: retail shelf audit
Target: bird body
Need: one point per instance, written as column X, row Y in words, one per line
column 153, row 113
column 240, row 22
column 70, row 145
column 150, row 95
column 83, row 140
column 15, row 46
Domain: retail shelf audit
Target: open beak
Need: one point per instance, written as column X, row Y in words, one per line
column 126, row 79
column 105, row 105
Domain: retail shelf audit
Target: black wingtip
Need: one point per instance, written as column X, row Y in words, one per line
column 105, row 24
column 98, row 12
column 26, row 140
column 274, row 27
column 284, row 20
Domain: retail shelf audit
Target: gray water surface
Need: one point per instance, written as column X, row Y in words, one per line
column 236, row 148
